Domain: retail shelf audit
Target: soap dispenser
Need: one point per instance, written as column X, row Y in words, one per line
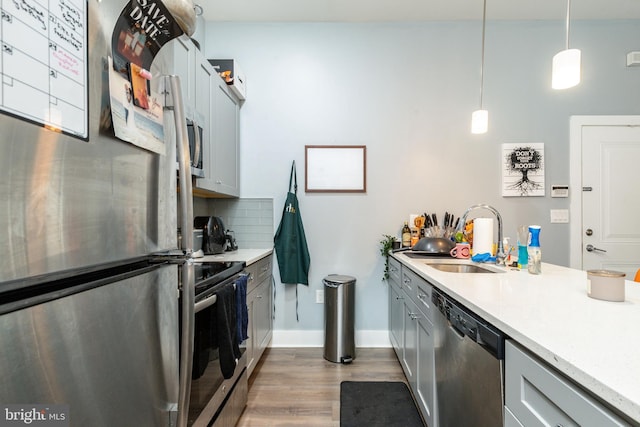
column 534, row 251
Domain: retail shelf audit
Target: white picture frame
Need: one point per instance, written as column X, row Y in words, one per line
column 335, row 168
column 523, row 169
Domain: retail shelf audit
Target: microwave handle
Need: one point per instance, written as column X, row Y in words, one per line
column 196, row 154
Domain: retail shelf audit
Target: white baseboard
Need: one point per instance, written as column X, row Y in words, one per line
column 315, row 338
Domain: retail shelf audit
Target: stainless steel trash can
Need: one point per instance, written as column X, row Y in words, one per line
column 339, row 316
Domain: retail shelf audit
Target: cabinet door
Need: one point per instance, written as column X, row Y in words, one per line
column 183, row 55
column 225, row 140
column 510, row 420
column 426, row 382
column 396, row 317
column 250, row 342
column 539, row 396
column 410, row 339
column 262, row 314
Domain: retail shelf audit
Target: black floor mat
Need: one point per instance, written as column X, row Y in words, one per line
column 374, row 403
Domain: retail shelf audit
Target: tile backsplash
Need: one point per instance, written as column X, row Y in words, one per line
column 251, row 220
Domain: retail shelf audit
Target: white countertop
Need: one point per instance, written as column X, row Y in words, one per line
column 591, row 341
column 249, row 256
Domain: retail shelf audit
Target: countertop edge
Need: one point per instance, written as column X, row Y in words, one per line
column 248, row 256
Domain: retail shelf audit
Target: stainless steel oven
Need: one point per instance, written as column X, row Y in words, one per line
column 215, row 400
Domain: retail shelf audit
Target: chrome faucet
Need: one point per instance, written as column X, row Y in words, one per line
column 500, row 255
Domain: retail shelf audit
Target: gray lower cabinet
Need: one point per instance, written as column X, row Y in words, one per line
column 409, row 358
column 260, row 306
column 536, row 395
column 411, row 334
column 396, row 307
column 425, row 392
column 396, row 317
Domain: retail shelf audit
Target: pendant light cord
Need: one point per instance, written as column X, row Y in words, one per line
column 484, row 20
column 568, row 13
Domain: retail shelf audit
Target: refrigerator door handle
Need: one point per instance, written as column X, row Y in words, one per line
column 187, row 270
column 186, row 340
column 184, row 166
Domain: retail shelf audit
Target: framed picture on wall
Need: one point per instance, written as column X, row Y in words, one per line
column 523, row 170
column 335, row 168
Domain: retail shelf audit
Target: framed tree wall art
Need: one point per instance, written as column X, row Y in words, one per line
column 335, row 168
column 523, row 170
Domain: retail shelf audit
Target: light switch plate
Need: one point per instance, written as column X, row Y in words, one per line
column 319, row 296
column 559, row 216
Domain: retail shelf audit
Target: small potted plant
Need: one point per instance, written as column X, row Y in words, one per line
column 386, row 245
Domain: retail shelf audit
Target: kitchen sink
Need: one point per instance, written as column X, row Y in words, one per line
column 461, row 267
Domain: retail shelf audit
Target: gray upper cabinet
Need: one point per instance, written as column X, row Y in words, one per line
column 222, row 157
column 536, row 395
column 210, row 103
column 182, row 56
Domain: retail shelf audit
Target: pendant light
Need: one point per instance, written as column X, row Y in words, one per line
column 566, row 64
column 480, row 118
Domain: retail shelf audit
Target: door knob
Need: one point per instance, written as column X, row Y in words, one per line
column 591, row 248
column 589, row 232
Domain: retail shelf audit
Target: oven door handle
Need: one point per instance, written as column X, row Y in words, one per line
column 186, row 340
column 207, row 302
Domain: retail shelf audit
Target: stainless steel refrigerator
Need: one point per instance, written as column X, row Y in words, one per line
column 89, row 313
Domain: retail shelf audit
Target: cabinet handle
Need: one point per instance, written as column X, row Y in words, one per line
column 414, row 316
column 399, row 297
column 406, row 280
column 421, row 296
column 259, row 296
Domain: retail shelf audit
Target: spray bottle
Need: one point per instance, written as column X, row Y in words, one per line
column 534, row 251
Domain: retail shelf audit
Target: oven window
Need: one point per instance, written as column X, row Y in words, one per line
column 206, row 376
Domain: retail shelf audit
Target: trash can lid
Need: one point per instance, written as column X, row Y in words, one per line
column 339, row 279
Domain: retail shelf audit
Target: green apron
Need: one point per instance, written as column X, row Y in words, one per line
column 290, row 242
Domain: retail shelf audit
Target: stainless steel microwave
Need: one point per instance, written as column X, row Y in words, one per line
column 194, row 133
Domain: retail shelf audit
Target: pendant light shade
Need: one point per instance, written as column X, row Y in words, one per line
column 479, row 121
column 480, row 118
column 566, row 63
column 566, row 69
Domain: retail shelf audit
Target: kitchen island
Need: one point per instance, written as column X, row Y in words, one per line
column 589, row 341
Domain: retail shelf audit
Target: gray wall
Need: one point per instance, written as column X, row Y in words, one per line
column 407, row 91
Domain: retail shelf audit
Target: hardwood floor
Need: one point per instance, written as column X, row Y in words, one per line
column 298, row 387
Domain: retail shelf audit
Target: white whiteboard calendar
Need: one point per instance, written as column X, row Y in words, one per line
column 43, row 63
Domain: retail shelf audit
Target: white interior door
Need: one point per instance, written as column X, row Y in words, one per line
column 611, row 198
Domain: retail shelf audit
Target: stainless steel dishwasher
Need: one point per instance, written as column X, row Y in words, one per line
column 469, row 361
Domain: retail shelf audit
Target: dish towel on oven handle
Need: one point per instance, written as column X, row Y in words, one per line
column 242, row 312
column 228, row 348
column 290, row 241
